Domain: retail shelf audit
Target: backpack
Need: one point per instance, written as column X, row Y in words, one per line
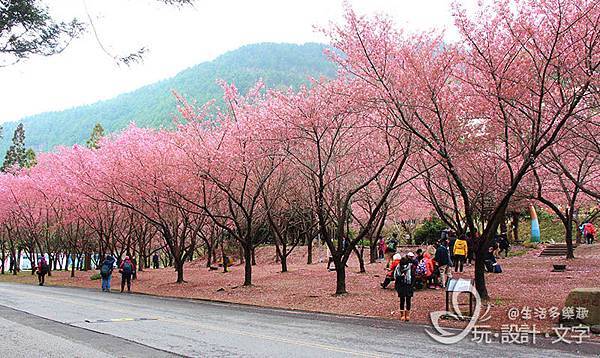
column 489, row 265
column 401, row 274
column 127, row 268
column 398, row 273
column 45, row 267
column 421, row 269
column 104, row 271
column 497, row 268
column 392, row 245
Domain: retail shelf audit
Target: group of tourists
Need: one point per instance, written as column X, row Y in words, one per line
column 126, row 269
column 433, row 267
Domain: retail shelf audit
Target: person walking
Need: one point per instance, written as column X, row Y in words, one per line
column 382, row 247
column 460, row 253
column 106, row 271
column 442, row 258
column 329, row 258
column 155, row 262
column 451, row 240
column 126, row 269
column 404, row 285
column 42, row 270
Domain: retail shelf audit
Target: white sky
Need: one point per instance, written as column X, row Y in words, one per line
column 177, row 39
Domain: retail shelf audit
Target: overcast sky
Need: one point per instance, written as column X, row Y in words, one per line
column 177, row 39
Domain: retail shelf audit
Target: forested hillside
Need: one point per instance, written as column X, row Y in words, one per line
column 278, row 65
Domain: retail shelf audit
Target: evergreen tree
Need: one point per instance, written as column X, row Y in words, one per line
column 30, row 158
column 16, row 154
column 97, row 134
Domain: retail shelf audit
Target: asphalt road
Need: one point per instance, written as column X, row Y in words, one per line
column 56, row 321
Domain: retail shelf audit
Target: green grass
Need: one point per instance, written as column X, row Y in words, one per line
column 551, row 228
column 514, row 253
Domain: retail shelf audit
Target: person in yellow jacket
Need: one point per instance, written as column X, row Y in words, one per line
column 460, row 253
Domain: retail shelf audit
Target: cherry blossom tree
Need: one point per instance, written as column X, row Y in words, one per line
column 518, row 79
column 340, row 147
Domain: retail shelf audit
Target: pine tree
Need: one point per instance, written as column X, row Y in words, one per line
column 97, row 134
column 16, row 154
column 30, row 158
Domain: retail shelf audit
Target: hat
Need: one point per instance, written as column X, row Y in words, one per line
column 126, row 257
column 397, row 257
column 410, row 254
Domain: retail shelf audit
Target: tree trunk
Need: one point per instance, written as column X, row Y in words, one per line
column 515, row 226
column 373, row 254
column 179, row 268
column 33, row 260
column 18, row 261
column 253, row 256
column 242, row 255
column 480, row 274
column 309, row 256
column 73, row 265
column 340, row 284
column 284, row 263
column 13, row 263
column 361, row 260
column 142, row 257
column 50, row 261
column 209, row 258
column 87, row 265
column 247, row 248
column 3, row 256
column 503, row 228
column 569, row 237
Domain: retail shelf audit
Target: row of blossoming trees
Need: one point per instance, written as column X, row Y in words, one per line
column 507, row 114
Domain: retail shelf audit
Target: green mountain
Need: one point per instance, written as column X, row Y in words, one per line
column 278, row 65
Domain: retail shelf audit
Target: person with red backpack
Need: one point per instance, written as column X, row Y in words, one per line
column 42, row 270
column 126, row 269
column 589, row 232
column 389, row 277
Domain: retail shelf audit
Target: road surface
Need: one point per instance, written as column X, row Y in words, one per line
column 57, row 321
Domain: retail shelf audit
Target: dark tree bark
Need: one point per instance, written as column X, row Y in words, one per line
column 247, row 251
column 361, row 260
column 309, row 256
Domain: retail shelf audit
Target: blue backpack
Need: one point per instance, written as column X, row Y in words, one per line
column 421, row 269
column 127, row 268
column 104, row 271
column 497, row 268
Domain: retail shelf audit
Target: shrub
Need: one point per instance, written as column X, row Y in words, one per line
column 95, row 276
column 429, row 231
